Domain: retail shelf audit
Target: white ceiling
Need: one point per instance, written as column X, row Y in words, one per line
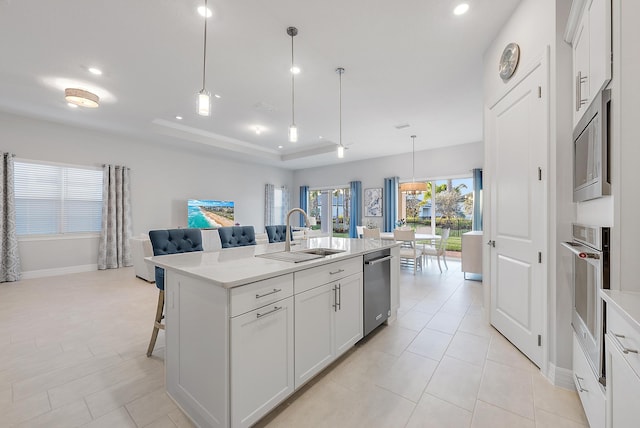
column 406, row 61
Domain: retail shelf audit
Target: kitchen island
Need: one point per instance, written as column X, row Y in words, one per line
column 243, row 332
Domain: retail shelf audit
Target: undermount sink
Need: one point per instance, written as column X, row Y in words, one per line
column 300, row 256
column 321, row 251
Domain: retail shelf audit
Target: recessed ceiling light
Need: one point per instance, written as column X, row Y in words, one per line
column 295, row 69
column 179, row 117
column 201, row 11
column 280, row 147
column 217, row 96
column 258, row 129
column 95, row 71
column 72, row 105
column 320, row 137
column 461, row 9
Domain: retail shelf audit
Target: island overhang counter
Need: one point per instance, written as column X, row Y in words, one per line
column 243, row 332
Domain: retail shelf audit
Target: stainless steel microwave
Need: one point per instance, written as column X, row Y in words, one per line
column 591, row 150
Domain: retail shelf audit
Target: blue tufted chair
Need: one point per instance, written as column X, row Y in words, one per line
column 277, row 233
column 237, row 236
column 171, row 241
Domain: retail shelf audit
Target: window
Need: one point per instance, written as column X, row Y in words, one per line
column 56, row 199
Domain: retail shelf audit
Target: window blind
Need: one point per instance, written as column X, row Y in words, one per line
column 57, row 199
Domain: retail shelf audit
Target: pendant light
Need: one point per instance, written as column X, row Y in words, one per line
column 340, row 71
column 293, row 129
column 204, row 96
column 413, row 187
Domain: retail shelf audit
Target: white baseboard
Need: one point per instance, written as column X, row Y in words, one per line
column 561, row 377
column 41, row 273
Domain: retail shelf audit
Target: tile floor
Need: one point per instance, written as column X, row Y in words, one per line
column 72, row 353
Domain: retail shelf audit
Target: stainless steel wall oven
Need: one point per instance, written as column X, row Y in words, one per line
column 590, row 249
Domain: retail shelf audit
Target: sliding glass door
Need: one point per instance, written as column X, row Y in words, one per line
column 331, row 208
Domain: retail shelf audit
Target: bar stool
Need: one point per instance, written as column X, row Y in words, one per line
column 163, row 242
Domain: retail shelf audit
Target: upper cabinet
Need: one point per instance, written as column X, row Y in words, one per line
column 589, row 32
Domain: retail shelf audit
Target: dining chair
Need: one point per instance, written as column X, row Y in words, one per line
column 276, row 233
column 439, row 249
column 237, row 236
column 424, row 230
column 360, row 231
column 408, row 250
column 163, row 242
column 371, row 233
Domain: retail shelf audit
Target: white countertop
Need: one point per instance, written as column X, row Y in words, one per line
column 626, row 302
column 232, row 267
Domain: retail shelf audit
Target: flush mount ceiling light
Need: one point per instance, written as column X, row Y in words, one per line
column 413, row 186
column 96, row 71
column 204, row 97
column 81, row 97
column 293, row 129
column 461, row 9
column 340, row 72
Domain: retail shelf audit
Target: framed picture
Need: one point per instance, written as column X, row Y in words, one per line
column 373, row 202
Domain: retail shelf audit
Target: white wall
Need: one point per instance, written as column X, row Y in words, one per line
column 430, row 164
column 537, row 25
column 162, row 177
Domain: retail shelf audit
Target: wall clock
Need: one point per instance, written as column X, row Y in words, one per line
column 509, row 61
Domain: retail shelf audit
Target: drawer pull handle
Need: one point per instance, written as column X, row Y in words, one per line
column 275, row 290
column 625, row 350
column 580, row 388
column 338, row 271
column 275, row 309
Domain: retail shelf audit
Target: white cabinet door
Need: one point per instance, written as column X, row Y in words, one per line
column 348, row 318
column 261, row 361
column 314, row 331
column 623, row 390
column 599, row 45
column 581, row 68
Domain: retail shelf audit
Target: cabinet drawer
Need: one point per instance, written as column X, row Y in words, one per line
column 625, row 336
column 591, row 394
column 314, row 277
column 257, row 294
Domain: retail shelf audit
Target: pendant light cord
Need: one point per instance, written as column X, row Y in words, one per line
column 413, row 158
column 204, row 51
column 340, row 71
column 293, row 101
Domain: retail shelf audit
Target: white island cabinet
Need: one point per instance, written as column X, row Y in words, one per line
column 328, row 317
column 244, row 332
column 622, row 347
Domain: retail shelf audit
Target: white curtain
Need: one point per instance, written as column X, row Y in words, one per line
column 115, row 250
column 9, row 256
column 269, row 204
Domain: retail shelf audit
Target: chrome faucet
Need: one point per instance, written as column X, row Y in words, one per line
column 287, row 242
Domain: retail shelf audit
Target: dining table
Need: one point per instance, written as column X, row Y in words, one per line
column 419, row 236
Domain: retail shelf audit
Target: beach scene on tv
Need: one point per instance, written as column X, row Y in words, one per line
column 210, row 214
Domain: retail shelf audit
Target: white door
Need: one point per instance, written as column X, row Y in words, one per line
column 517, row 144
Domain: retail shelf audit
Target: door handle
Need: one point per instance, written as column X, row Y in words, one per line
column 491, row 243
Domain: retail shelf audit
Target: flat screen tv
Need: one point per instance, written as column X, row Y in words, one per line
column 209, row 214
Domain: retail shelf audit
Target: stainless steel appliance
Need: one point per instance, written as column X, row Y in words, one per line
column 590, row 247
column 591, row 150
column 377, row 289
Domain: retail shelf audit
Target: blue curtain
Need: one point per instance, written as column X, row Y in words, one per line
column 477, row 199
column 356, row 208
column 390, row 205
column 304, row 202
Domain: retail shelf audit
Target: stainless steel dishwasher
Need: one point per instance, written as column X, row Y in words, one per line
column 377, row 289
